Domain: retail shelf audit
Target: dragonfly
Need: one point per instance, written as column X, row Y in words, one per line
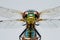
column 31, row 17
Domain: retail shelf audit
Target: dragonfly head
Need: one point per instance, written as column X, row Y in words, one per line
column 30, row 16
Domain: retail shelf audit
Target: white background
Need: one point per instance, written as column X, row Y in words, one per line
column 22, row 5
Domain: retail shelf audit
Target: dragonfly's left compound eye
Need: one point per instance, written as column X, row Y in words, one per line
column 25, row 14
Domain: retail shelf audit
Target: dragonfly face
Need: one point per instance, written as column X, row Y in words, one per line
column 30, row 16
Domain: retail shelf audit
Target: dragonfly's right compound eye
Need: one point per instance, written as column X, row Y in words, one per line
column 36, row 14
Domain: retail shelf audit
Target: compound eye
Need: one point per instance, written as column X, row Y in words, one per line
column 26, row 13
column 35, row 13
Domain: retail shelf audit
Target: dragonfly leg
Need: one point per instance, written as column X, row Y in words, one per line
column 21, row 34
column 38, row 33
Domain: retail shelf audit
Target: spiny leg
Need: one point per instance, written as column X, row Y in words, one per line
column 38, row 33
column 22, row 34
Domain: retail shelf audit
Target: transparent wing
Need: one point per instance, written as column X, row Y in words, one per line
column 11, row 25
column 49, row 24
column 9, row 18
column 9, row 13
column 51, row 17
column 51, row 13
